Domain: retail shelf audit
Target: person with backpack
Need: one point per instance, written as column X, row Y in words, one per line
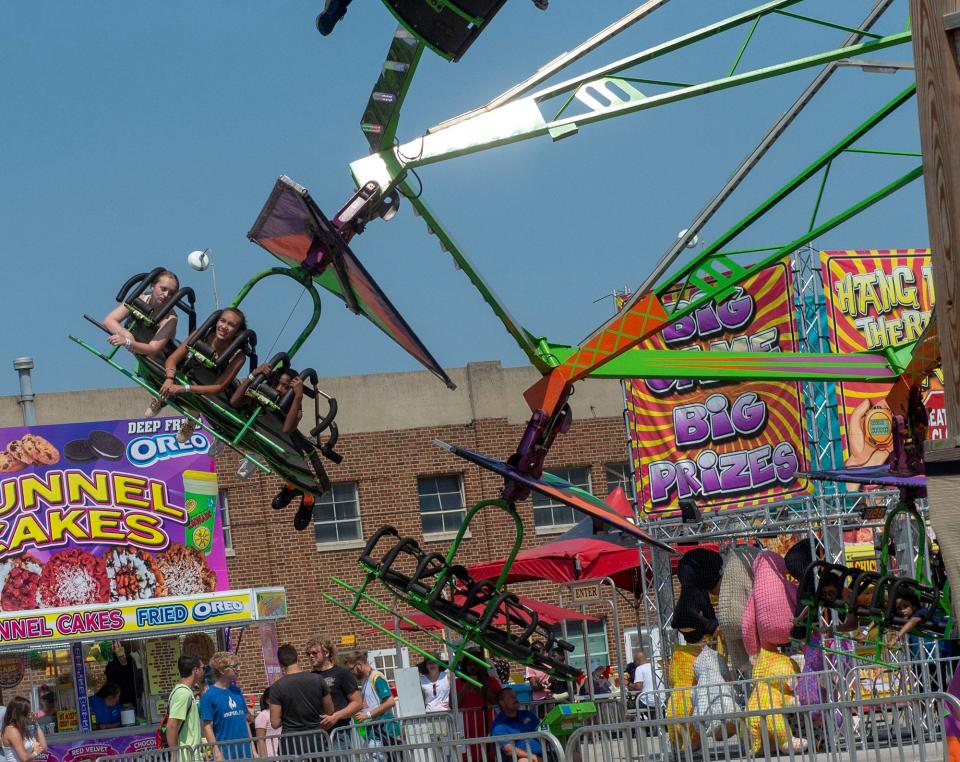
column 183, row 716
column 378, row 704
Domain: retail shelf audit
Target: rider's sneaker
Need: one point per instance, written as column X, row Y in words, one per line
column 283, row 497
column 333, row 11
column 153, row 408
column 247, row 468
column 304, row 513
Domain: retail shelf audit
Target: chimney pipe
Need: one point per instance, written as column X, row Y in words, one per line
column 23, row 366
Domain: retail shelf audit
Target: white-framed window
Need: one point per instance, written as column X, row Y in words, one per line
column 223, row 501
column 597, row 647
column 385, row 660
column 550, row 514
column 442, row 504
column 336, row 515
column 647, row 638
column 619, row 475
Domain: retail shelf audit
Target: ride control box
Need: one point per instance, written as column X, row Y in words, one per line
column 564, row 719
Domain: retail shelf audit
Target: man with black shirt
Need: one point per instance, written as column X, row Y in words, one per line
column 343, row 688
column 298, row 701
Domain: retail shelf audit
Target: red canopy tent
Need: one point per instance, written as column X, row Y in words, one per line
column 547, row 613
column 583, row 554
column 573, row 559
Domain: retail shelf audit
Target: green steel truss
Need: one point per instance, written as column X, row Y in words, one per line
column 611, row 91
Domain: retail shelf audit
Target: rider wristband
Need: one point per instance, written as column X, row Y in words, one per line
column 128, row 341
column 186, row 388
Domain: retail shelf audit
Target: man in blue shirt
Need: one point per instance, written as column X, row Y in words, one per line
column 105, row 706
column 224, row 712
column 511, row 720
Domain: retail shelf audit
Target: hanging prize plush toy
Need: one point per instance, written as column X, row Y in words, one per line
column 771, row 732
column 735, row 587
column 713, row 696
column 768, row 615
column 699, row 572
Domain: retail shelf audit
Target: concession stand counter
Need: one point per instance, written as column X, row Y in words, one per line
column 112, row 558
column 56, row 656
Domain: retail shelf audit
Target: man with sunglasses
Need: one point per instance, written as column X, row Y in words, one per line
column 223, row 710
column 343, row 687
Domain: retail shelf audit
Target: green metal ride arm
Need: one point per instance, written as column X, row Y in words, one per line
column 870, row 367
column 523, row 119
column 519, row 334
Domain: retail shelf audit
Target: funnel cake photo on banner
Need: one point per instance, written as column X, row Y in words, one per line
column 19, row 576
column 73, row 578
column 185, row 571
column 133, row 574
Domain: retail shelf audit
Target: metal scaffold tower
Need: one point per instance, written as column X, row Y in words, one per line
column 820, row 399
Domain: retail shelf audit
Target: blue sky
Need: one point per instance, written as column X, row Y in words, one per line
column 136, row 132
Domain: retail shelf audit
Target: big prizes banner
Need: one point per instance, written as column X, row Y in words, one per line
column 721, row 444
column 109, row 511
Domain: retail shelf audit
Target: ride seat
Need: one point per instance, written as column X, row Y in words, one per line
column 448, row 26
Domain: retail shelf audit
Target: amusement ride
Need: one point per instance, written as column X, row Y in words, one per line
column 315, row 251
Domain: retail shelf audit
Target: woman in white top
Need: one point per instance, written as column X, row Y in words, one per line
column 22, row 739
column 435, row 684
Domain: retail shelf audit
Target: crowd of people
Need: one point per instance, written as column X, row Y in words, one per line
column 332, row 691
column 331, row 694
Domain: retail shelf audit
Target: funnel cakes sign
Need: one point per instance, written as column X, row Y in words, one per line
column 94, row 513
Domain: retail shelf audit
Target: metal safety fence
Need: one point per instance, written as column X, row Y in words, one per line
column 902, row 678
column 513, row 748
column 380, row 736
column 889, row 729
column 709, row 698
column 893, row 711
column 302, row 743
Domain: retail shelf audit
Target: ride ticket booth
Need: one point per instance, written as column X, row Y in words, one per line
column 112, row 561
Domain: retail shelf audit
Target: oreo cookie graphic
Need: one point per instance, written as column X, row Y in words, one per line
column 79, row 451
column 105, row 445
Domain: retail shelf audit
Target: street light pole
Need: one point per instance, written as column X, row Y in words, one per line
column 200, row 261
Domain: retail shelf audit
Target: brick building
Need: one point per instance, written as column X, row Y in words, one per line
column 392, row 473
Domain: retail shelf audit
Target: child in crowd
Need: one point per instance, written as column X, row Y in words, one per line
column 268, row 744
